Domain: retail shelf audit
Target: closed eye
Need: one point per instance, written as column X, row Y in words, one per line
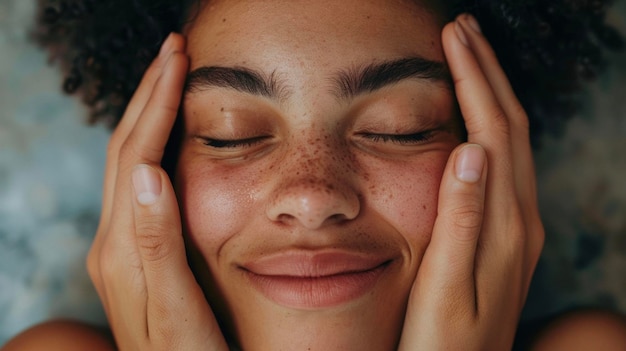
column 402, row 139
column 232, row 144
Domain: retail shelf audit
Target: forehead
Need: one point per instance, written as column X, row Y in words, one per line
column 321, row 31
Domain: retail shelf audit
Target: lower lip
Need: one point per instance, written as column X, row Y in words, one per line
column 316, row 292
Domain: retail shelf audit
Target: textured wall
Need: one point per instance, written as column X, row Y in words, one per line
column 51, row 171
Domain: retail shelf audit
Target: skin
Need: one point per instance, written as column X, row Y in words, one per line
column 461, row 258
column 319, row 182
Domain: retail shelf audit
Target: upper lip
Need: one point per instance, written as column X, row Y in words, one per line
column 311, row 264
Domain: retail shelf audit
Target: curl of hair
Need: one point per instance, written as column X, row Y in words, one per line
column 547, row 48
column 104, row 47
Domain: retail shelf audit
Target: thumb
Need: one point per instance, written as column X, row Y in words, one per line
column 157, row 219
column 178, row 313
column 445, row 281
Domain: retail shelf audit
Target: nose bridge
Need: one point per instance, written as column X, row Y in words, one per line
column 315, row 187
column 318, row 157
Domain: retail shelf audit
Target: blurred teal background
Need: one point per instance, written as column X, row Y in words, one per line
column 51, row 167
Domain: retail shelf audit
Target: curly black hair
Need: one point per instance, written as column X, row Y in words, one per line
column 547, row 48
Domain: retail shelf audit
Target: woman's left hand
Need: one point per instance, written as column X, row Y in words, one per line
column 474, row 277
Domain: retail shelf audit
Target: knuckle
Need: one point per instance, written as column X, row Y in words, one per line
column 169, row 108
column 105, row 264
column 99, row 257
column 495, row 122
column 115, row 142
column 132, row 151
column 467, row 218
column 520, row 117
column 151, row 239
column 129, row 150
column 93, row 269
column 516, row 229
column 500, row 122
column 537, row 237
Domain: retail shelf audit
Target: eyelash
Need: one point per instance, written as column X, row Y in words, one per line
column 402, row 139
column 231, row 144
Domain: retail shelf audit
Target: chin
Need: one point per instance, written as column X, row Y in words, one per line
column 354, row 313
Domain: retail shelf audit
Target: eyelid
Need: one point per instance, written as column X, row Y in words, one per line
column 232, row 143
column 402, row 139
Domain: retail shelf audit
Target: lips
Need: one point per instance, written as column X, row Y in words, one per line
column 313, row 280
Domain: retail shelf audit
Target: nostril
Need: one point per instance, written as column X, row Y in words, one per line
column 338, row 218
column 286, row 218
column 311, row 220
column 313, row 203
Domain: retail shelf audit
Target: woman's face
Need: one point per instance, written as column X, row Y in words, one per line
column 315, row 136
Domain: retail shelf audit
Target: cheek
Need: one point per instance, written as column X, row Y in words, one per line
column 213, row 202
column 218, row 203
column 406, row 194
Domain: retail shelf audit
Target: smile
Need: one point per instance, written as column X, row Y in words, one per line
column 314, row 281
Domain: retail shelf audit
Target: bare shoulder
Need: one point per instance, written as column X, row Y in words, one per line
column 584, row 330
column 62, row 335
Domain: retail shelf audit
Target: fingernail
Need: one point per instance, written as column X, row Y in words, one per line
column 166, row 46
column 460, row 33
column 147, row 184
column 470, row 163
column 473, row 23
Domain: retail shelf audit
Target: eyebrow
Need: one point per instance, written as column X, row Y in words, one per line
column 346, row 84
column 242, row 79
column 366, row 79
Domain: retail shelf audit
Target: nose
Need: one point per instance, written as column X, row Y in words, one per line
column 313, row 200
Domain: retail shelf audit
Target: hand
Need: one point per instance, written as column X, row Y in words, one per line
column 475, row 274
column 137, row 262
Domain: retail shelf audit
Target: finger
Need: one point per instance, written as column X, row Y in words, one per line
column 488, row 125
column 174, row 42
column 486, row 122
column 120, row 134
column 492, row 70
column 520, row 139
column 151, row 132
column 178, row 313
column 450, row 256
column 123, row 272
column 138, row 101
column 146, row 142
column 118, row 273
column 522, row 158
column 445, row 281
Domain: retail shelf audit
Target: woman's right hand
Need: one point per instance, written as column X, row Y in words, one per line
column 138, row 262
